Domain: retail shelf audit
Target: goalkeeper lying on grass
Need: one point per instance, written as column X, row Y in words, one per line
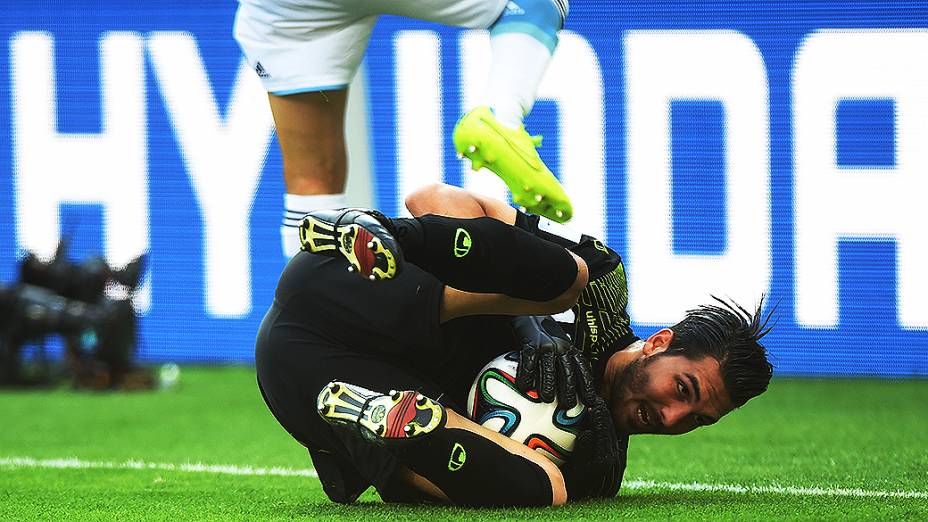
column 449, row 295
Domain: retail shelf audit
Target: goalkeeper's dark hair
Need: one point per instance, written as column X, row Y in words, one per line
column 731, row 335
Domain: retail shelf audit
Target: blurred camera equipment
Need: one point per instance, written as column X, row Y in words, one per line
column 72, row 301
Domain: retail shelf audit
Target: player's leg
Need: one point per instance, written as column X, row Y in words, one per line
column 488, row 256
column 522, row 41
column 468, row 463
column 447, row 200
column 475, row 255
column 310, row 131
column 293, row 366
column 326, row 324
column 524, row 34
column 451, row 201
column 306, row 55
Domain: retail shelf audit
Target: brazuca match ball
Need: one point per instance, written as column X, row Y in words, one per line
column 496, row 403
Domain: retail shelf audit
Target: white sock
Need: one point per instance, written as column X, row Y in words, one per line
column 297, row 206
column 518, row 65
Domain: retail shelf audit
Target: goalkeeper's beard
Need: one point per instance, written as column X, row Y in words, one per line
column 630, row 381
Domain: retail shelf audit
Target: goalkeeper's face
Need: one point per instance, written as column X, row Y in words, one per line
column 668, row 394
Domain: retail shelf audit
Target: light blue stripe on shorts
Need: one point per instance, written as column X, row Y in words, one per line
column 311, row 89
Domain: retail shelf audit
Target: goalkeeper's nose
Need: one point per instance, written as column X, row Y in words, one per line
column 671, row 415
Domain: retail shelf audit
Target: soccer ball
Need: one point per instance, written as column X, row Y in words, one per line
column 495, row 403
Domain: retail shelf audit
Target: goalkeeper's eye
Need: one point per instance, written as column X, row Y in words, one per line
column 682, row 389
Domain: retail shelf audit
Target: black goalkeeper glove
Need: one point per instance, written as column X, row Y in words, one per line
column 597, row 463
column 549, row 363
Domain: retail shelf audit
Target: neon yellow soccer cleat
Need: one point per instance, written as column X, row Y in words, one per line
column 511, row 155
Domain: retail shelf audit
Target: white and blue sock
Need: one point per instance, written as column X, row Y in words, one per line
column 297, row 206
column 522, row 41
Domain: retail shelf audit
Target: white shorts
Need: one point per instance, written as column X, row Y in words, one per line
column 313, row 45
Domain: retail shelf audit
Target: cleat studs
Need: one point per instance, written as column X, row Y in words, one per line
column 559, row 213
column 522, row 209
column 334, row 388
column 407, row 428
column 472, row 149
column 381, row 429
column 460, row 155
column 351, row 268
column 539, row 197
column 372, row 277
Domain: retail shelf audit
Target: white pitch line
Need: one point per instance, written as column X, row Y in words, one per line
column 783, row 490
column 221, row 469
column 74, row 463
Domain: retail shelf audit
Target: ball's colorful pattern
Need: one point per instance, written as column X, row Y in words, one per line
column 496, row 403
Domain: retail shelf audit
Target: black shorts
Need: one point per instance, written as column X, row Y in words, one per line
column 327, row 324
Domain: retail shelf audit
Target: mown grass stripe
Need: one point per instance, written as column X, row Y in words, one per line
column 228, row 469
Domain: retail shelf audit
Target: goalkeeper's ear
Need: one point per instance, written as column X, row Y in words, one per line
column 658, row 342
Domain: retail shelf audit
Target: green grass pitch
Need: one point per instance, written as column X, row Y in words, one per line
column 838, row 444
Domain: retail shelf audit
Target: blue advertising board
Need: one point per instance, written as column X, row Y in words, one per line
column 731, row 148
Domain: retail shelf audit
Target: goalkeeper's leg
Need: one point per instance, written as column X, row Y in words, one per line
column 448, row 455
column 481, row 255
column 489, row 256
